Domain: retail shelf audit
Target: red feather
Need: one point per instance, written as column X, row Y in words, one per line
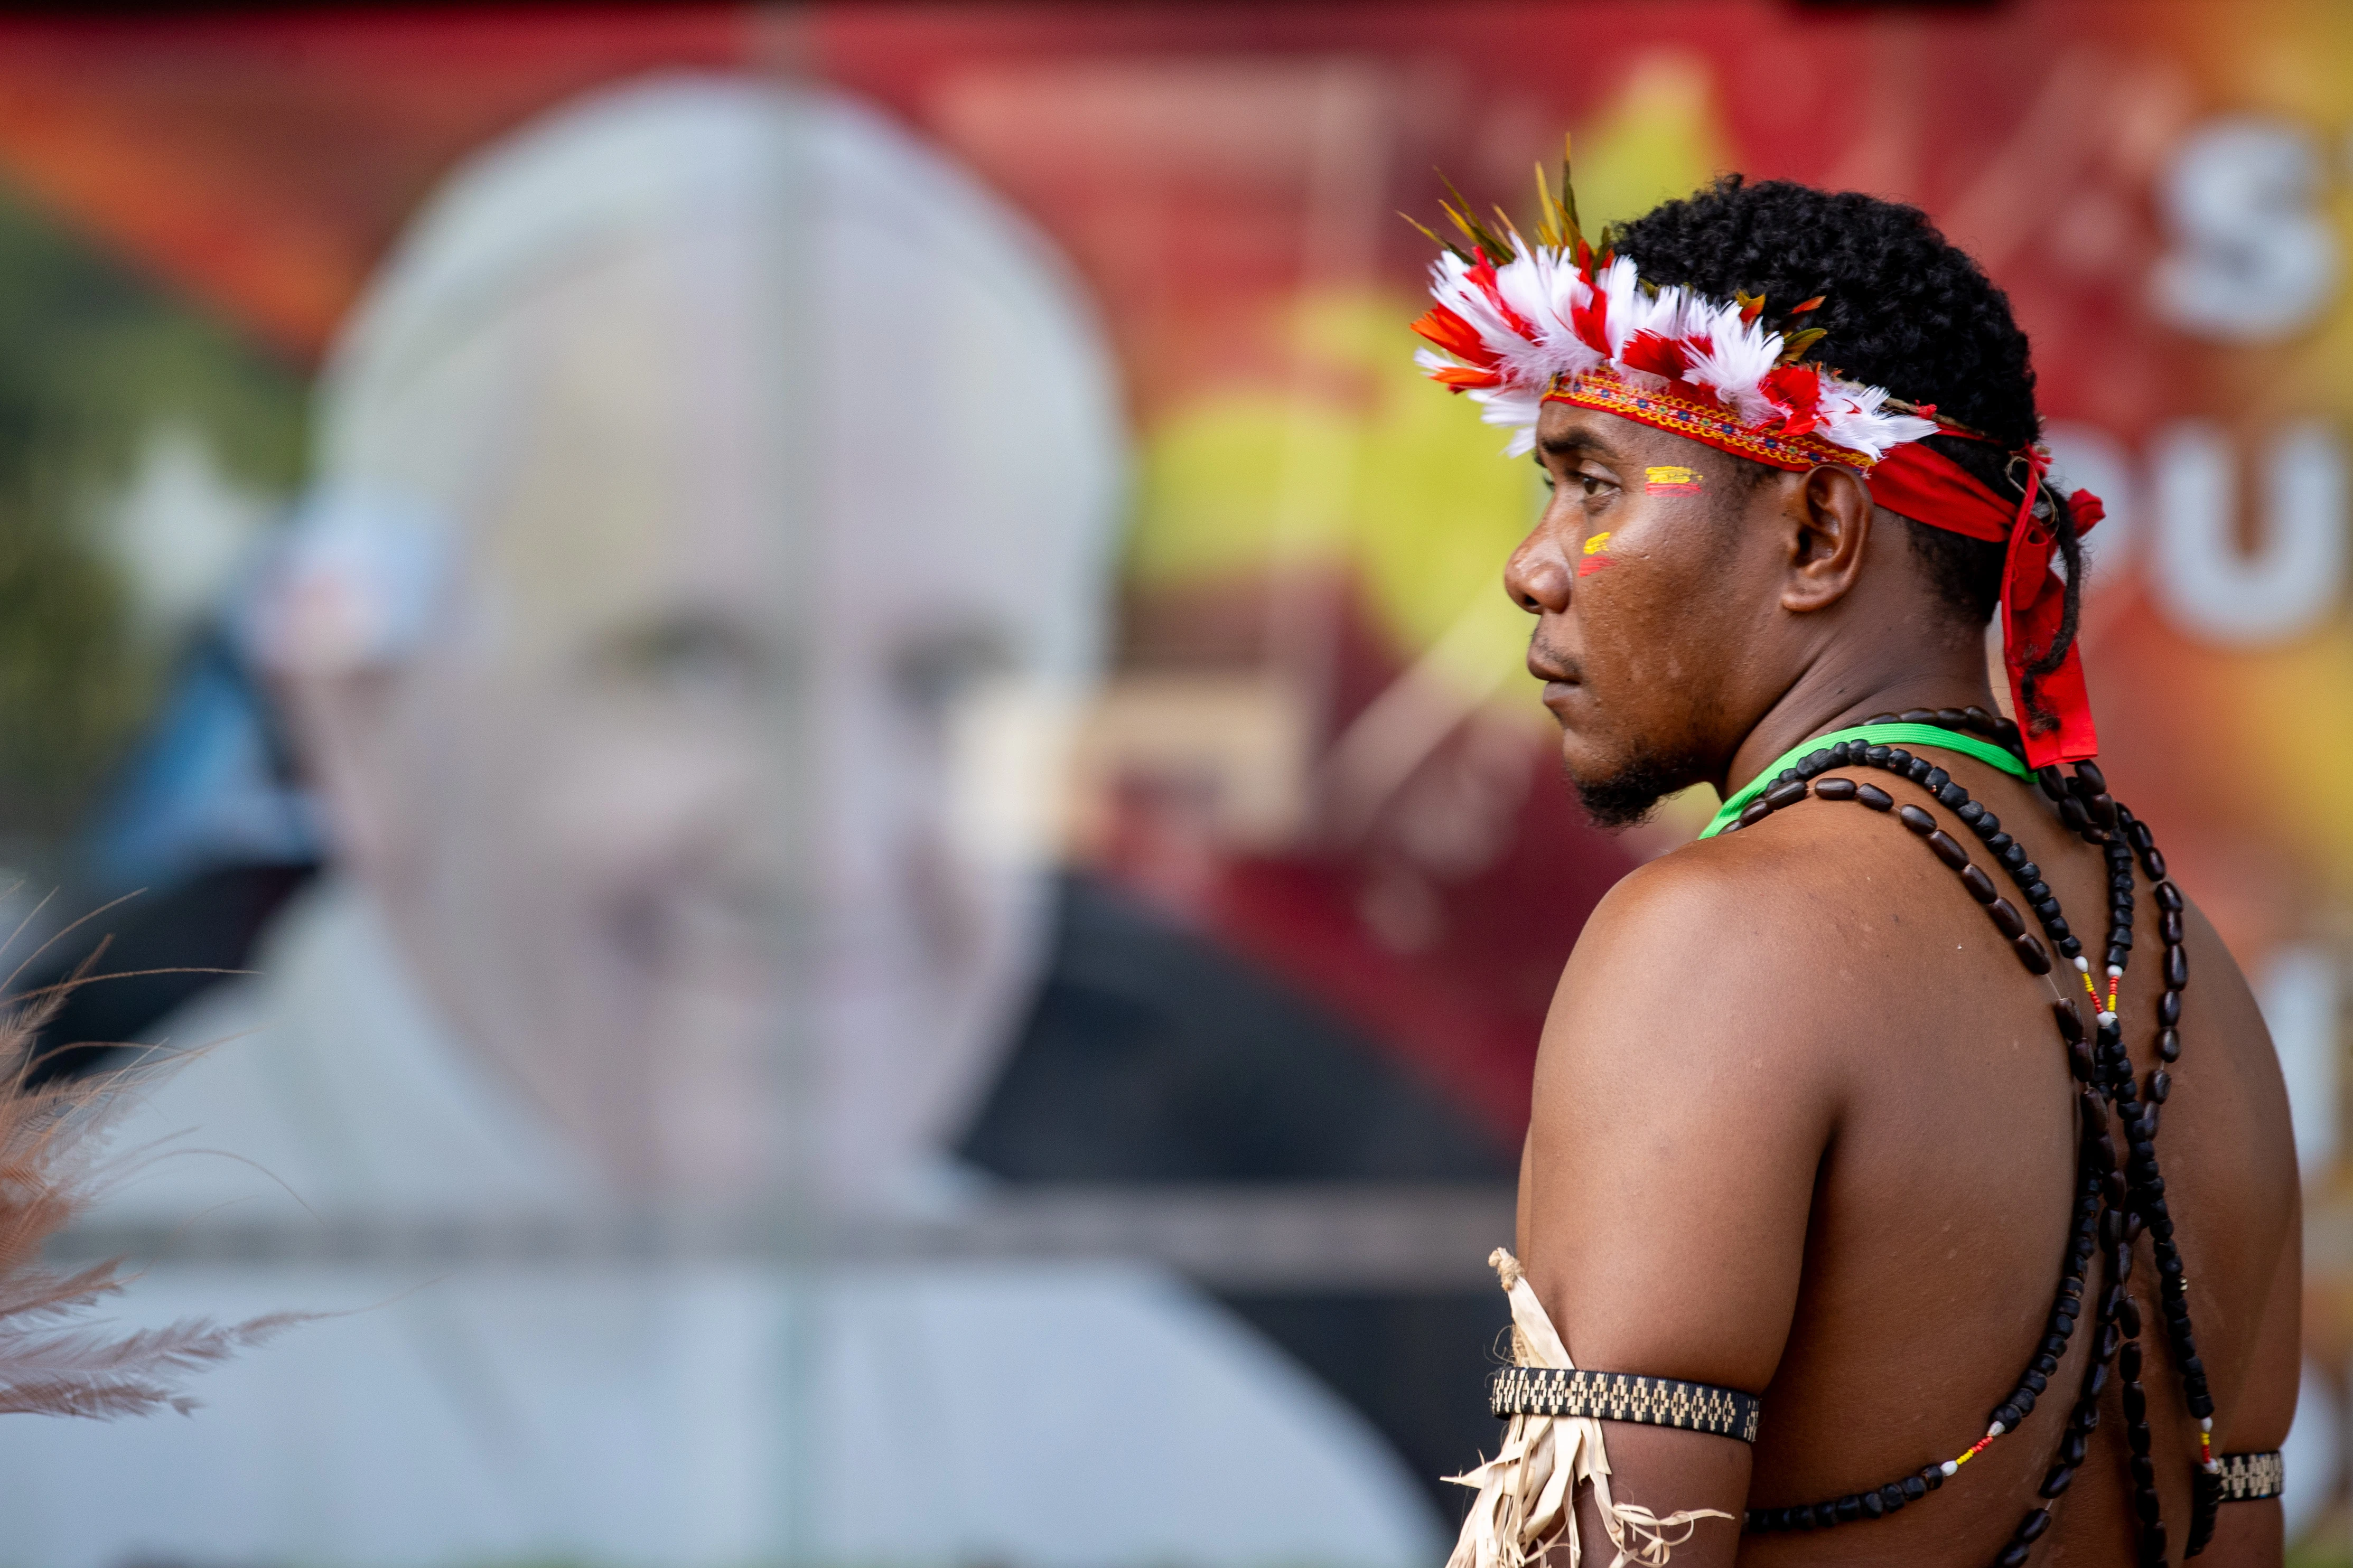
column 1797, row 391
column 1590, row 323
column 1463, row 379
column 1483, row 277
column 1456, row 336
column 1657, row 354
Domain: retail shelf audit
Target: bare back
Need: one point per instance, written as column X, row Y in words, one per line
column 1803, row 1125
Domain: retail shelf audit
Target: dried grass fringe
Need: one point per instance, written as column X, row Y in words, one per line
column 53, row 1360
column 1527, row 1506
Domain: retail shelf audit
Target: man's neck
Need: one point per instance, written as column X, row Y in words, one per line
column 1833, row 694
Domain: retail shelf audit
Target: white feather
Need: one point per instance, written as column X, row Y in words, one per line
column 1623, row 287
column 1524, row 360
column 1852, row 417
column 1513, row 408
column 1739, row 354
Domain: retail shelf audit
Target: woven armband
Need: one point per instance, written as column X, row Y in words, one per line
column 1623, row 1396
column 2250, row 1477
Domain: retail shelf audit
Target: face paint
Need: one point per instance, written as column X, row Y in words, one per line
column 1674, row 480
column 1594, row 560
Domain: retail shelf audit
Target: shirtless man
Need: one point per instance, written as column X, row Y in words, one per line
column 1807, row 1122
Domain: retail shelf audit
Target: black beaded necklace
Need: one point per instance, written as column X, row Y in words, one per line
column 2113, row 1203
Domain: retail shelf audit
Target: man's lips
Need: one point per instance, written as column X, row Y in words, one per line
column 1551, row 671
column 1560, row 678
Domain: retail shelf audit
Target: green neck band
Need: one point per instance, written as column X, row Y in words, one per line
column 1983, row 751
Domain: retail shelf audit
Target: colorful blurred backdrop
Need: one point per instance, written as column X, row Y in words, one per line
column 898, row 909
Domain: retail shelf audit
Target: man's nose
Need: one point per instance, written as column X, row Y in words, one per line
column 1536, row 577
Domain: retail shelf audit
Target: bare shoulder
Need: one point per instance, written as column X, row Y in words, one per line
column 1690, row 1074
column 1759, row 938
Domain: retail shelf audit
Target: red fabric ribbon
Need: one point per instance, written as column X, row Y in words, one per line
column 1929, row 488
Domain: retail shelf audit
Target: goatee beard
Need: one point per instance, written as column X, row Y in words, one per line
column 1633, row 789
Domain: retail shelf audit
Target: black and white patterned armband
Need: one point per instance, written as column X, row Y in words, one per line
column 1625, row 1396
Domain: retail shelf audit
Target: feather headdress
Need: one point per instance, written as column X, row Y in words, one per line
column 1515, row 324
column 54, row 1361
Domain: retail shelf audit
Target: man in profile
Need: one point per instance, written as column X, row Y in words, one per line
column 1848, row 1226
column 714, row 508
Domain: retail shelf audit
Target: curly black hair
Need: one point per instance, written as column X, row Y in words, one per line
column 1901, row 307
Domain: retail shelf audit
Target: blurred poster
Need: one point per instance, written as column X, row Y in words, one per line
column 856, row 722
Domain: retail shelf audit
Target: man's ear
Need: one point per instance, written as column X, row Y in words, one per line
column 339, row 721
column 1830, row 517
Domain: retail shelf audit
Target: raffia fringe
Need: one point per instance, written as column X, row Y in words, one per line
column 1527, row 1492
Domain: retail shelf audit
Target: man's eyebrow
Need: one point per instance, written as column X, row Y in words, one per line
column 1574, row 443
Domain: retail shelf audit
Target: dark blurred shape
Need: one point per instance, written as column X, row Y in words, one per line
column 159, row 949
column 204, row 834
column 1153, row 1055
column 211, row 783
column 103, row 375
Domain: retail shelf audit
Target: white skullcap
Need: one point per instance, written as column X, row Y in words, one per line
column 915, row 282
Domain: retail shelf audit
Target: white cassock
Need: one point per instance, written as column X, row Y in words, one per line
column 682, row 1411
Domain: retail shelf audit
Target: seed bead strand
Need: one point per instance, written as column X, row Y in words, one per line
column 2146, row 1185
column 1788, row 790
column 2206, row 1492
column 2118, row 1229
column 2086, row 1416
column 2132, row 1197
column 2087, row 808
column 2137, row 1192
column 2024, row 873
